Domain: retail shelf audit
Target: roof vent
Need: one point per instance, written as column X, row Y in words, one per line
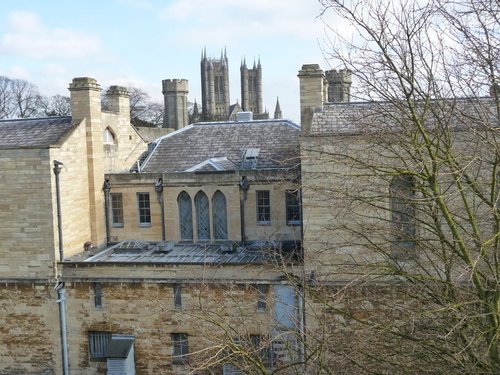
column 228, row 247
column 244, row 116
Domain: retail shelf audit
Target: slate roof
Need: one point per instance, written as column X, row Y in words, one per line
column 353, row 118
column 221, row 146
column 33, row 132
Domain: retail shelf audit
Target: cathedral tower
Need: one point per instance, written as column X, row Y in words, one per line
column 214, row 87
column 251, row 88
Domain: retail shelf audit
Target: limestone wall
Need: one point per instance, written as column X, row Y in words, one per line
column 74, row 185
column 27, row 214
column 29, row 330
column 210, row 314
column 173, row 184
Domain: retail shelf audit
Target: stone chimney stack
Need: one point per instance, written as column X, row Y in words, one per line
column 175, row 100
column 85, row 98
column 118, row 99
column 339, row 85
column 312, row 93
column 86, row 105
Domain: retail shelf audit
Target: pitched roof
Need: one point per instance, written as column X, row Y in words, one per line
column 222, row 145
column 33, row 132
column 351, row 118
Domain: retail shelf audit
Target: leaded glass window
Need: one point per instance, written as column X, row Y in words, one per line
column 220, row 216
column 185, row 216
column 202, row 216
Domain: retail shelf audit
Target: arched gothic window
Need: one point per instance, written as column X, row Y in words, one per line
column 402, row 190
column 219, row 216
column 108, row 137
column 202, row 216
column 185, row 216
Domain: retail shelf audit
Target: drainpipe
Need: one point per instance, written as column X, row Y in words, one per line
column 244, row 186
column 61, row 293
column 159, row 191
column 57, row 171
column 107, row 188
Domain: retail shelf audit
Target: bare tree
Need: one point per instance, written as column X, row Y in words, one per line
column 6, row 108
column 405, row 273
column 25, row 98
column 56, row 105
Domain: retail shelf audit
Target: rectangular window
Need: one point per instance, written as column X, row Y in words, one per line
column 180, row 348
column 262, row 347
column 97, row 295
column 262, row 290
column 98, row 344
column 144, row 209
column 177, row 296
column 117, row 209
column 292, row 207
column 263, row 207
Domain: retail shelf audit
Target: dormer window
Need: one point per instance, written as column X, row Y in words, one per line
column 108, row 137
column 250, row 158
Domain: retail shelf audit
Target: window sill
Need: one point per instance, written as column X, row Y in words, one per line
column 264, row 223
column 293, row 223
column 117, row 225
column 144, row 225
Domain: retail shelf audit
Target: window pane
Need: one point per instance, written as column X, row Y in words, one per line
column 292, row 207
column 220, row 216
column 144, row 208
column 177, row 296
column 116, row 209
column 262, row 290
column 202, row 216
column 263, row 207
column 97, row 295
column 185, row 216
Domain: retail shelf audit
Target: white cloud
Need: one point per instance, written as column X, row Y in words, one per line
column 27, row 36
column 229, row 20
column 18, row 71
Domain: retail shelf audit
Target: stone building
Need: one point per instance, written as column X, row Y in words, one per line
column 37, row 232
column 157, row 256
column 381, row 260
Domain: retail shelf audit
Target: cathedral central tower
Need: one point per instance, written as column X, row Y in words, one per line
column 214, row 87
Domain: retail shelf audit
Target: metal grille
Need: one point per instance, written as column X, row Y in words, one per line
column 220, row 216
column 98, row 344
column 185, row 216
column 202, row 216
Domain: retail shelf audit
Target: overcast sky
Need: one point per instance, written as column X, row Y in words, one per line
column 141, row 42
